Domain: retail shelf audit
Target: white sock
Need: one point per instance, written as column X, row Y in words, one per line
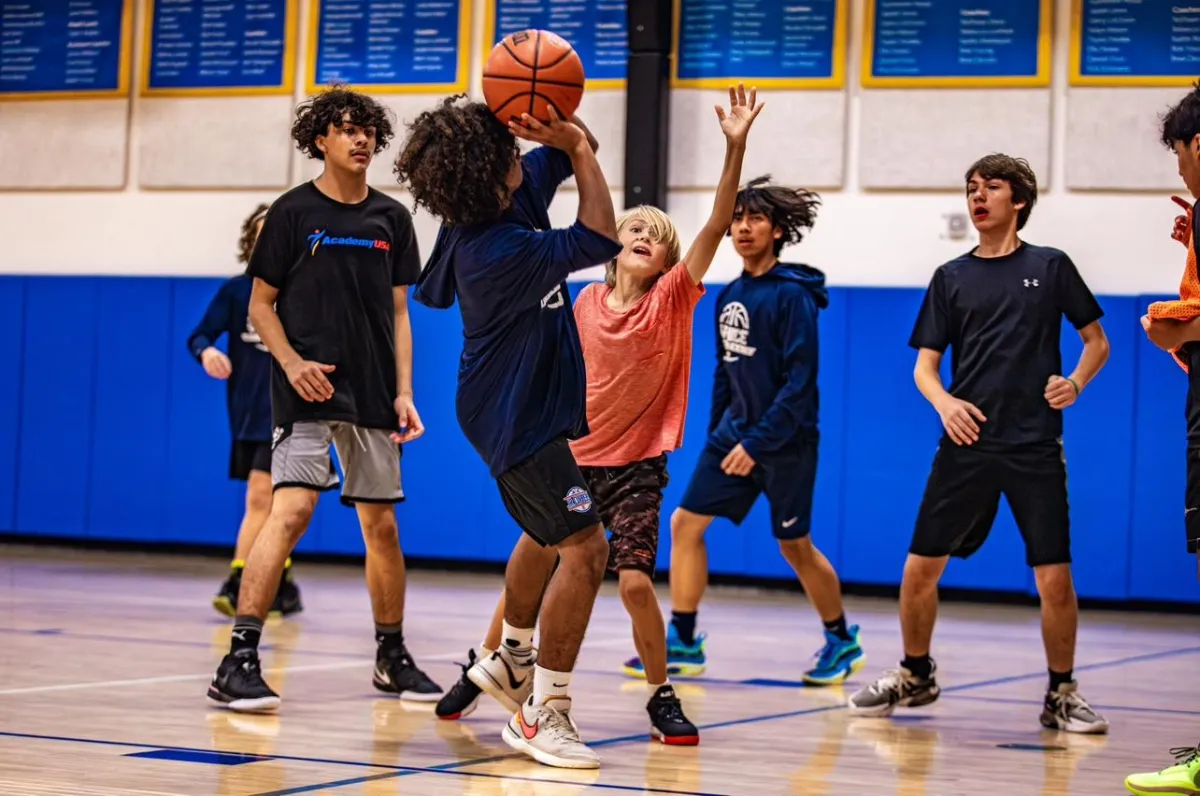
column 654, row 688
column 550, row 687
column 485, row 650
column 517, row 642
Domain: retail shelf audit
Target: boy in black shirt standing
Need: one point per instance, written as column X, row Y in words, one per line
column 521, row 382
column 1000, row 308
column 330, row 301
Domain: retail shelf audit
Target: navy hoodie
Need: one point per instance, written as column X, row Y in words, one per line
column 765, row 389
column 521, row 380
column 248, row 389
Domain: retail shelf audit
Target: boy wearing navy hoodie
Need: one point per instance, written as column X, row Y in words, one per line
column 763, row 432
column 521, row 382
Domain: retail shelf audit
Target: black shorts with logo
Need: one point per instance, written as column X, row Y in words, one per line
column 962, row 496
column 548, row 496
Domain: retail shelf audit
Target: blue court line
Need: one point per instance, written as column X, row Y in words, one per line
column 1102, row 708
column 164, row 642
column 450, row 768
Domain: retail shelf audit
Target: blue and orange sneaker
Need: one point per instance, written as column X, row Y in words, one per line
column 683, row 660
column 837, row 660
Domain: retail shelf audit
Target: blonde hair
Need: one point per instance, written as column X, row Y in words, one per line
column 661, row 230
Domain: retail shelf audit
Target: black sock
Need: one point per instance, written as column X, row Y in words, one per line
column 389, row 639
column 1058, row 678
column 247, row 632
column 685, row 625
column 921, row 666
column 838, row 628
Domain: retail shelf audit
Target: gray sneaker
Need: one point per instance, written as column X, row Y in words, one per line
column 1067, row 710
column 896, row 688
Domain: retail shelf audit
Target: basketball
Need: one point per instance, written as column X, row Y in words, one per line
column 531, row 71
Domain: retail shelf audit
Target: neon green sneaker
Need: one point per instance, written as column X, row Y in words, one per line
column 1181, row 779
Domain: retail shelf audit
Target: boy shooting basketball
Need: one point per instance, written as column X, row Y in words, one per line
column 247, row 373
column 521, row 384
column 330, row 301
column 636, row 331
column 763, row 433
column 1174, row 326
column 1000, row 307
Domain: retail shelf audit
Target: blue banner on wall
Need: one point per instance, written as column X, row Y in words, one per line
column 966, row 43
column 64, row 48
column 207, row 47
column 772, row 43
column 1135, row 42
column 395, row 47
column 597, row 29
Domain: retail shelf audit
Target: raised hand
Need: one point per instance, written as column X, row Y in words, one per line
column 1182, row 230
column 742, row 112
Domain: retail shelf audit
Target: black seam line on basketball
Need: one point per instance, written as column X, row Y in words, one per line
column 750, row 720
column 533, row 81
column 517, row 58
column 410, row 770
column 556, row 61
column 544, row 82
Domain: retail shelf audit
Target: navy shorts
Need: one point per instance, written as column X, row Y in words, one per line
column 787, row 481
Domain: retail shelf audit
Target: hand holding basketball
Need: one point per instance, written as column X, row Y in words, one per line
column 557, row 133
column 742, row 113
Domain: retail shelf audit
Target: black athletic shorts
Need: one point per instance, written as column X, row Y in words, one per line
column 963, row 493
column 1192, row 499
column 548, row 496
column 246, row 456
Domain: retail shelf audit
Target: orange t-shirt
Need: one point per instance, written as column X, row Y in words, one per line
column 637, row 364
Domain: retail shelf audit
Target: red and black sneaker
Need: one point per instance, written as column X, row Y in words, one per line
column 667, row 722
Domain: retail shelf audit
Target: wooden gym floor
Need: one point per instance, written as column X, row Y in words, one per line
column 104, row 661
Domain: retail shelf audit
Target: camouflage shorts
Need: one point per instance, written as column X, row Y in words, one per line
column 628, row 499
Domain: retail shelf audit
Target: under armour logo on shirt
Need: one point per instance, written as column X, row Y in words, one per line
column 1031, row 283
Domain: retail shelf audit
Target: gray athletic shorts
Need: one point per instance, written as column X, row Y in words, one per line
column 371, row 461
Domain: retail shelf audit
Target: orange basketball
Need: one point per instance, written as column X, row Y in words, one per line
column 530, row 71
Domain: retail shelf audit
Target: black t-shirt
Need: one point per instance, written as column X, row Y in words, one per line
column 1003, row 318
column 335, row 265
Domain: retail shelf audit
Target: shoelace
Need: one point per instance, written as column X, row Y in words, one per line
column 558, row 725
column 470, row 661
column 892, row 680
column 1069, row 701
column 1184, row 755
column 671, row 710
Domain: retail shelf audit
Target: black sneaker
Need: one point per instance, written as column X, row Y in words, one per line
column 238, row 685
column 396, row 673
column 667, row 722
column 1067, row 710
column 896, row 688
column 287, row 597
column 225, row 600
column 463, row 697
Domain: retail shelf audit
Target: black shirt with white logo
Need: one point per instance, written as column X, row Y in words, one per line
column 1002, row 316
column 335, row 265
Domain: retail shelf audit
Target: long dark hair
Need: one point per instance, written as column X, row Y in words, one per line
column 249, row 237
column 793, row 210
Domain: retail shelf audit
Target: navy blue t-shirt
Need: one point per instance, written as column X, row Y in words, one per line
column 248, row 389
column 1003, row 318
column 521, row 380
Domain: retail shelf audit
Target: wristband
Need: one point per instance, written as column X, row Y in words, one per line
column 1073, row 384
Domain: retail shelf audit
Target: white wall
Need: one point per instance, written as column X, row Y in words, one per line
column 1120, row 241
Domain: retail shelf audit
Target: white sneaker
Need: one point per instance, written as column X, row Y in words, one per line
column 549, row 736
column 507, row 682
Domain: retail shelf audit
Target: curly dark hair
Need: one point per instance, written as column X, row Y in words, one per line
column 317, row 113
column 1181, row 123
column 1014, row 171
column 793, row 210
column 247, row 240
column 455, row 162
